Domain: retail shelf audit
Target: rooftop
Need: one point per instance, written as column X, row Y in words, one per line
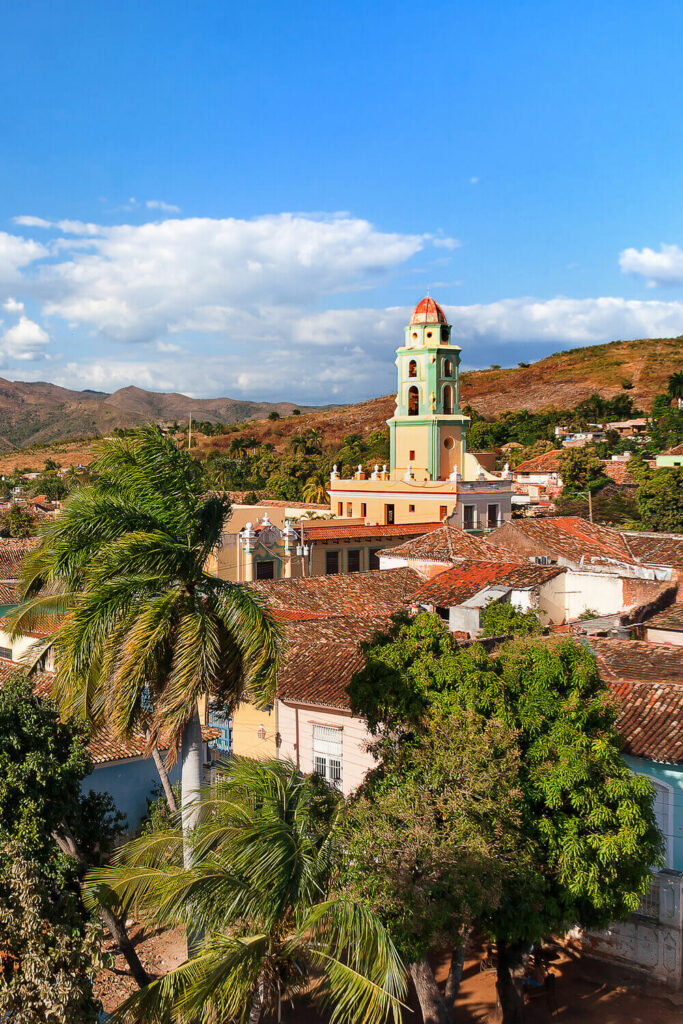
column 647, row 680
column 339, row 530
column 676, row 450
column 378, row 592
column 428, row 311
column 569, row 537
column 545, row 463
column 13, row 551
column 448, row 544
column 466, row 579
column 671, row 618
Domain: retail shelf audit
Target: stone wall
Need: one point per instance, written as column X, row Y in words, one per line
column 650, row 941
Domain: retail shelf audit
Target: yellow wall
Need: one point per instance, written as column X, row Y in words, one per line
column 414, row 438
column 451, row 458
column 245, row 725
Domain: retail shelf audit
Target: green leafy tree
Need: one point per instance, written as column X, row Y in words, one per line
column 500, row 618
column 49, row 950
column 581, row 470
column 259, row 887
column 428, row 836
column 49, row 484
column 588, row 836
column 45, row 933
column 274, row 415
column 18, row 522
column 316, row 487
column 660, row 500
column 144, row 624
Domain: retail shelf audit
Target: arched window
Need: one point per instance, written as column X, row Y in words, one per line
column 413, row 401
column 447, row 368
column 447, row 399
column 412, row 368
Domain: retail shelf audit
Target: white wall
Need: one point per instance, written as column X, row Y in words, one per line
column 19, row 646
column 568, row 595
column 664, row 636
column 356, row 760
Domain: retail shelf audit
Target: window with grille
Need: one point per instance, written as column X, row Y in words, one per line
column 353, row 563
column 265, row 570
column 331, row 563
column 468, row 517
column 223, row 723
column 374, row 558
column 492, row 517
column 6, row 652
column 327, row 753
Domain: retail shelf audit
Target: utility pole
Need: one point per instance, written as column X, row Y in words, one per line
column 189, row 434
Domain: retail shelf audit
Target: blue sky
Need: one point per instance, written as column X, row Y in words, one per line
column 223, row 198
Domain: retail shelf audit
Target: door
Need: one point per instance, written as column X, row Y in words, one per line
column 388, row 514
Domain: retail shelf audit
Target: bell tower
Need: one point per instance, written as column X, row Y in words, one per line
column 428, row 430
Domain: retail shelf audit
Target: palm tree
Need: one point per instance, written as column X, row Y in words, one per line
column 316, row 486
column 675, row 385
column 143, row 624
column 314, row 442
column 259, row 887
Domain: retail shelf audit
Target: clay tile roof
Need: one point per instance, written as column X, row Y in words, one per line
column 655, row 548
column 12, row 553
column 330, row 530
column 428, row 311
column 466, row 579
column 379, row 592
column 546, row 463
column 322, row 656
column 447, row 544
column 569, row 537
column 676, row 450
column 647, row 680
column 671, row 618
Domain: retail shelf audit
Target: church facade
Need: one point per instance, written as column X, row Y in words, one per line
column 431, row 475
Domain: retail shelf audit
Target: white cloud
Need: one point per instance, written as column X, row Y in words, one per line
column 12, row 306
column 167, row 346
column 658, row 268
column 474, row 181
column 16, row 253
column 137, row 283
column 24, row 341
column 159, row 204
column 68, row 227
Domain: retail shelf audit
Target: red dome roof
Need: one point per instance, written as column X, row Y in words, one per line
column 428, row 312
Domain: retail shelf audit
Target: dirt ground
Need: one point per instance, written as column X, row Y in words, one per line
column 587, row 992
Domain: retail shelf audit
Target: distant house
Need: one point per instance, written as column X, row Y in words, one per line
column 671, row 458
column 628, row 428
column 537, row 481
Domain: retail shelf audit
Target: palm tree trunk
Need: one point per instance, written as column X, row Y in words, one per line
column 165, row 781
column 431, row 1001
column 191, row 780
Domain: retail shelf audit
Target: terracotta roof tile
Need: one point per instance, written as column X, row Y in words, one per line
column 13, row 551
column 331, row 530
column 618, row 472
column 379, row 592
column 647, row 680
column 655, row 548
column 321, row 658
column 670, row 618
column 566, row 536
column 466, row 579
column 676, row 450
column 545, row 463
column 449, row 545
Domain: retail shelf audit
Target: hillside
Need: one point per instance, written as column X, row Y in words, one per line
column 35, row 413
column 31, row 413
column 560, row 380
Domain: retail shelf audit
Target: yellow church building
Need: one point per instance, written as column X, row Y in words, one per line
column 431, row 475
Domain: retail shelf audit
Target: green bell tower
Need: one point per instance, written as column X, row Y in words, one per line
column 428, row 430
